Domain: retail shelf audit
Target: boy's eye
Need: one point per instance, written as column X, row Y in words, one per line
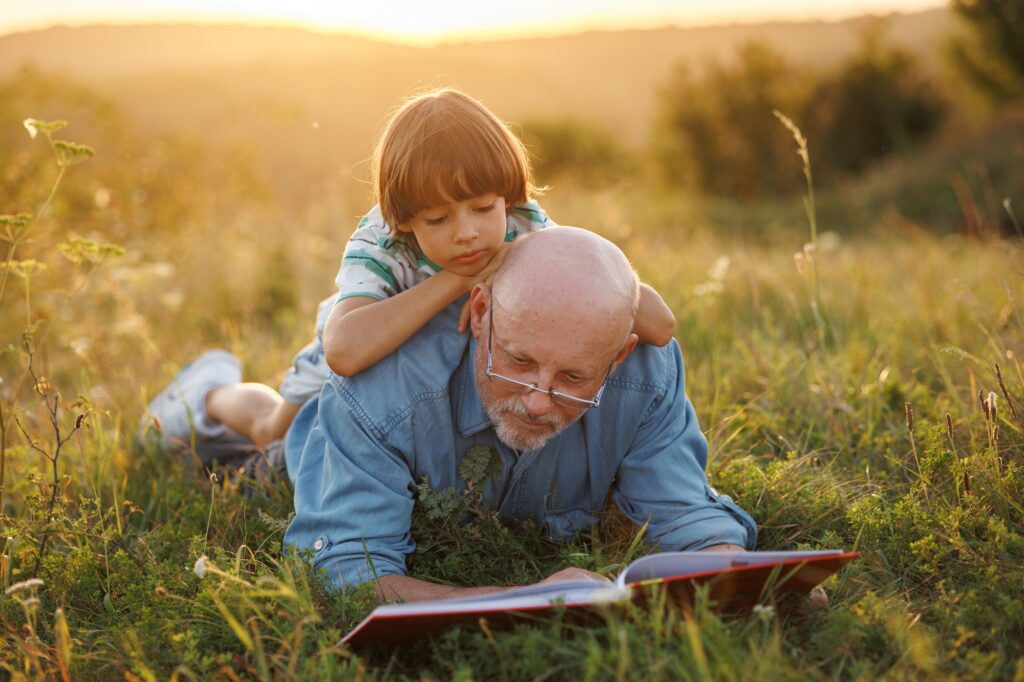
column 434, row 220
column 487, row 208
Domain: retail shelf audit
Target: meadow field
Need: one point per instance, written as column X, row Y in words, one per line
column 856, row 368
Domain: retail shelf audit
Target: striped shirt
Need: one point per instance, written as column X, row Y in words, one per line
column 377, row 265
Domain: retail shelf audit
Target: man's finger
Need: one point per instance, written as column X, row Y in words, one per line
column 464, row 317
column 817, row 599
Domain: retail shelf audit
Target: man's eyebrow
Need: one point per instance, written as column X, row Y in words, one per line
column 586, row 374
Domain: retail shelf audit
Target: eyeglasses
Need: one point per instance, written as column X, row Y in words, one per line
column 515, row 386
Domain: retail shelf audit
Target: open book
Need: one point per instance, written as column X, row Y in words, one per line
column 736, row 580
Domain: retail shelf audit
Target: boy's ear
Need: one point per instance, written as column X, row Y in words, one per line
column 479, row 305
column 404, row 227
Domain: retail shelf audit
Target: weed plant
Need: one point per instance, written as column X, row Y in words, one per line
column 899, row 433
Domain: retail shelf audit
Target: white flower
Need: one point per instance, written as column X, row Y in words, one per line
column 764, row 613
column 24, row 585
column 30, row 126
column 200, row 568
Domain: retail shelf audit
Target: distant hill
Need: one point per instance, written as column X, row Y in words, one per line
column 331, row 92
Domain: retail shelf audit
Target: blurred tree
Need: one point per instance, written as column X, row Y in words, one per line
column 718, row 132
column 876, row 104
column 569, row 147
column 994, row 59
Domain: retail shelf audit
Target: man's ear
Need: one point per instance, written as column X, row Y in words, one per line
column 479, row 305
column 624, row 352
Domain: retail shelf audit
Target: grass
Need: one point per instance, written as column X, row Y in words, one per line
column 813, row 436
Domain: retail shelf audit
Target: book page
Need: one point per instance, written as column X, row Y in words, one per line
column 675, row 564
column 530, row 596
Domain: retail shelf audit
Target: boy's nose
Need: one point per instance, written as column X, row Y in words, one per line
column 465, row 230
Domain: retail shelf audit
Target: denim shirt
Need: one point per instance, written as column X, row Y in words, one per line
column 356, row 452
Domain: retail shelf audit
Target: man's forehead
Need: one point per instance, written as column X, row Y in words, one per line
column 565, row 342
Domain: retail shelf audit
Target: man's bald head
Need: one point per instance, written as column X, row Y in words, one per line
column 567, row 278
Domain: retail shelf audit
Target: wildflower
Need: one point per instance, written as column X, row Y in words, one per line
column 800, row 261
column 30, row 126
column 764, row 613
column 719, row 269
column 200, row 567
column 24, row 585
column 809, row 252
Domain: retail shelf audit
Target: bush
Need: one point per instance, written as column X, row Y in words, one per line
column 718, row 132
column 877, row 104
column 574, row 149
column 994, row 59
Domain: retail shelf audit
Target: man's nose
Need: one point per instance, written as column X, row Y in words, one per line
column 537, row 403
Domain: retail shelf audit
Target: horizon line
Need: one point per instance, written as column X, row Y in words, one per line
column 456, row 38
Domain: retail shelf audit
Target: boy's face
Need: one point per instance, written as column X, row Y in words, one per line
column 461, row 236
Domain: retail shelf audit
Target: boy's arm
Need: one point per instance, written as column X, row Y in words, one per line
column 361, row 330
column 655, row 324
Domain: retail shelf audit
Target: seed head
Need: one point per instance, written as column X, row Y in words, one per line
column 200, row 567
column 909, row 410
column 24, row 585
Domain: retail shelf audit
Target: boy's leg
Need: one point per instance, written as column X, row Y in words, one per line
column 252, row 410
column 180, row 411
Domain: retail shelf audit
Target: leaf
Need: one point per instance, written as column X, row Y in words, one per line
column 236, row 627
column 481, row 463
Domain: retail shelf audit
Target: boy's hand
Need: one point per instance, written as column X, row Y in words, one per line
column 492, row 267
column 483, row 276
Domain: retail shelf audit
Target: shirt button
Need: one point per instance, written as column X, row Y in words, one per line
column 318, row 545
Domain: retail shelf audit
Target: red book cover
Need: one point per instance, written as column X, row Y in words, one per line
column 737, row 580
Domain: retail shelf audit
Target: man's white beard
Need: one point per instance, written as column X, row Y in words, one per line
column 502, row 409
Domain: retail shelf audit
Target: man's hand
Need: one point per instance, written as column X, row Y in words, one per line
column 723, row 548
column 574, row 574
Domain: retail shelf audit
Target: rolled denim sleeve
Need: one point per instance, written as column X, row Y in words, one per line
column 353, row 494
column 661, row 480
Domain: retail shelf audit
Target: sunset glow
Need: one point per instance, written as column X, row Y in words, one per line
column 419, row 22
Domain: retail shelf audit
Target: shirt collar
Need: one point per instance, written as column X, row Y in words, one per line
column 471, row 416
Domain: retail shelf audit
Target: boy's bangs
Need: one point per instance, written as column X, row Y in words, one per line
column 457, row 170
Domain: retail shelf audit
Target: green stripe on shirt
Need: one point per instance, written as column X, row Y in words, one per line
column 382, row 270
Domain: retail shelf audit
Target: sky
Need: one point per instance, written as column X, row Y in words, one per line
column 433, row 21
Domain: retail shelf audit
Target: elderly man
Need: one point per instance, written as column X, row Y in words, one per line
column 553, row 380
